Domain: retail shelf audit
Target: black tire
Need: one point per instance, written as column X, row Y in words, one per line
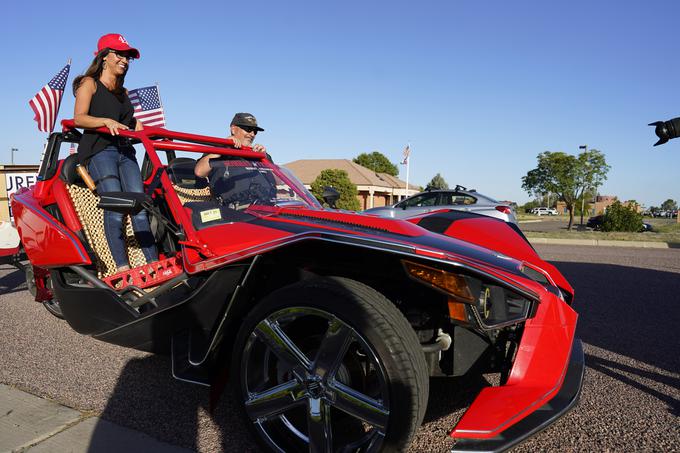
column 329, row 364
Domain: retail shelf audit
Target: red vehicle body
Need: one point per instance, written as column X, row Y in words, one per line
column 320, row 318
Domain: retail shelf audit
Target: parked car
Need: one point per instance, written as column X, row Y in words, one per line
column 544, row 211
column 595, row 223
column 459, row 199
column 325, row 325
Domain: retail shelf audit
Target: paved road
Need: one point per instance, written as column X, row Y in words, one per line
column 627, row 298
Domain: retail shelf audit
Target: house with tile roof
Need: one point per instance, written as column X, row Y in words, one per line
column 375, row 189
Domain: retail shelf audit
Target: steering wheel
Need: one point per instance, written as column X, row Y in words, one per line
column 259, row 194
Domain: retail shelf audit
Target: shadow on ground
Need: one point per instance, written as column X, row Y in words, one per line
column 13, row 281
column 147, row 398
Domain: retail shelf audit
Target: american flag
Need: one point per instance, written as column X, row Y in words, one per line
column 46, row 103
column 407, row 152
column 147, row 104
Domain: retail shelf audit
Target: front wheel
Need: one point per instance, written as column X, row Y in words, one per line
column 329, row 364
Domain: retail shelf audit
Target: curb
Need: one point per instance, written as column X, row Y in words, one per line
column 603, row 243
column 31, row 424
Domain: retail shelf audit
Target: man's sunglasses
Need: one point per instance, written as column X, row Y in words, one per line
column 249, row 129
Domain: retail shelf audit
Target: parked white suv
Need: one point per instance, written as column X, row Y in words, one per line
column 544, row 211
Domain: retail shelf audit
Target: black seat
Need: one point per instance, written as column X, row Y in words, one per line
column 188, row 186
column 181, row 173
column 68, row 171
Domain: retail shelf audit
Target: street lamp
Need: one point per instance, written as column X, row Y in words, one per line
column 12, row 158
column 583, row 194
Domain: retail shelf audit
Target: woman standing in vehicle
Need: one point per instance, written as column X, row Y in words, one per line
column 102, row 100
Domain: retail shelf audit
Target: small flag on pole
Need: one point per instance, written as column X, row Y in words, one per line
column 72, row 149
column 148, row 107
column 407, row 152
column 46, row 103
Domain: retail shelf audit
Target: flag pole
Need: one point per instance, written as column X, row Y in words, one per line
column 56, row 114
column 160, row 101
column 68, row 63
column 408, row 163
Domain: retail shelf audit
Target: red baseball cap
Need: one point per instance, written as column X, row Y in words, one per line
column 116, row 42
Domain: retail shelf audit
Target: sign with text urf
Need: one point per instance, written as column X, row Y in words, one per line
column 15, row 181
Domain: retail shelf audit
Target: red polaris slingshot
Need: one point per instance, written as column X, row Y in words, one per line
column 327, row 325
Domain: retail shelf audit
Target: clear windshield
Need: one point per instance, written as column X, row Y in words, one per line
column 241, row 183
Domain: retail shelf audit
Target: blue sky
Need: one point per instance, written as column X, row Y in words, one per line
column 479, row 89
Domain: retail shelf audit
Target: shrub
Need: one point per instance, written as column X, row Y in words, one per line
column 621, row 218
column 339, row 180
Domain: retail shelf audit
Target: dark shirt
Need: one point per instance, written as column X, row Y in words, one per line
column 239, row 184
column 105, row 104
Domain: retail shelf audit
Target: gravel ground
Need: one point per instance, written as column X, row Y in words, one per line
column 629, row 318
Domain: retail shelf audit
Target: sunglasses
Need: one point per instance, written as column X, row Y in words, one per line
column 249, row 129
column 122, row 55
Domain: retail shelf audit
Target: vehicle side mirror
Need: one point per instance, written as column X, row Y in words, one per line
column 123, row 202
column 330, row 196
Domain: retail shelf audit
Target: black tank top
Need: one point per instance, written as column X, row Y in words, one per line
column 104, row 104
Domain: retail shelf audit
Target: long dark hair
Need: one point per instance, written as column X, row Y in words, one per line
column 95, row 71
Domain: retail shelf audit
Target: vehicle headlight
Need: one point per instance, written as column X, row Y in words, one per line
column 493, row 306
column 496, row 306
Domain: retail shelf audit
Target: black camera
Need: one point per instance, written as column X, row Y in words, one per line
column 666, row 130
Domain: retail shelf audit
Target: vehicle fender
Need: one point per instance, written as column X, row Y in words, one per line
column 491, row 233
column 46, row 241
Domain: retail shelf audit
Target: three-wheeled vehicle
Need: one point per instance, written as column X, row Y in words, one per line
column 327, row 325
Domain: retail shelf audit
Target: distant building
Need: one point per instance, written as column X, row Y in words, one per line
column 375, row 189
column 599, row 205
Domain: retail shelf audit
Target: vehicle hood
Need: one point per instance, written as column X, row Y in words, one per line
column 390, row 234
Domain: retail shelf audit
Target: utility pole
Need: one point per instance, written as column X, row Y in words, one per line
column 12, row 158
column 583, row 194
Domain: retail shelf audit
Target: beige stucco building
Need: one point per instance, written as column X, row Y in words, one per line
column 375, row 189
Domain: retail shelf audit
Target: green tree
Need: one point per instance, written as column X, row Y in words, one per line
column 621, row 218
column 566, row 176
column 339, row 180
column 377, row 162
column 669, row 205
column 437, row 183
column 529, row 205
column 584, row 203
column 592, row 173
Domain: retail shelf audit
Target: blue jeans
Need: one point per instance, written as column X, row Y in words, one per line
column 116, row 170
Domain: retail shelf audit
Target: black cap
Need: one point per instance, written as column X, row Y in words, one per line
column 245, row 119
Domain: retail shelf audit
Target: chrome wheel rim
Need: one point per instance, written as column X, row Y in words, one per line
column 312, row 382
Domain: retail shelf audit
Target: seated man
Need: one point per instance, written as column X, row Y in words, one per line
column 243, row 128
column 236, row 183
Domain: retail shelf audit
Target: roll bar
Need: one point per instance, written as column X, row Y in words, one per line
column 160, row 139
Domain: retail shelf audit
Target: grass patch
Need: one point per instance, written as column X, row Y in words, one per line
column 664, row 226
column 524, row 217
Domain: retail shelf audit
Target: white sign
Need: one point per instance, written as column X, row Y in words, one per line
column 15, row 181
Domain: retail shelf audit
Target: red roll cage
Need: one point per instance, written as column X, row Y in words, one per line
column 159, row 139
